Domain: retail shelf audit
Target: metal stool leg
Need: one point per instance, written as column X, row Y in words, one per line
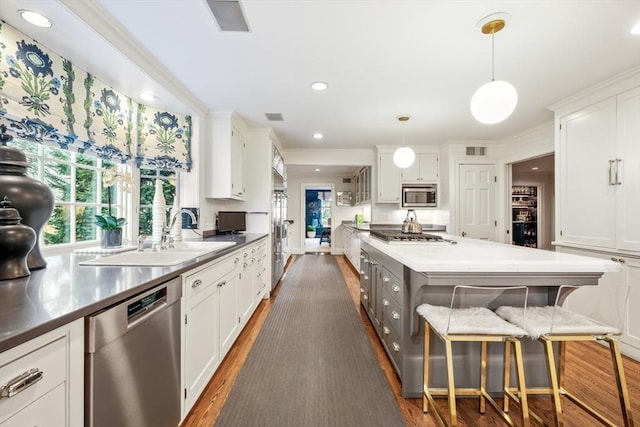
column 451, row 388
column 621, row 382
column 425, row 384
column 553, row 381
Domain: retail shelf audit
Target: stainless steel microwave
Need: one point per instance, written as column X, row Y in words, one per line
column 419, row 195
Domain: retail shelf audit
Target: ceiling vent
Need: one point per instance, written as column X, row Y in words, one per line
column 274, row 117
column 346, row 180
column 476, row 151
column 228, row 14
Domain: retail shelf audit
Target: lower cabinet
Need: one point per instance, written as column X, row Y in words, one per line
column 51, row 367
column 381, row 297
column 615, row 300
column 352, row 246
column 219, row 298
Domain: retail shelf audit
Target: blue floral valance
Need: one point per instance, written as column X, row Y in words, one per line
column 46, row 99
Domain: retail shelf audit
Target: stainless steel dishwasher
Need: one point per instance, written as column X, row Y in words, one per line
column 132, row 361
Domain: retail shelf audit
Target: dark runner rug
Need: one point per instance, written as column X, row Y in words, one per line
column 312, row 363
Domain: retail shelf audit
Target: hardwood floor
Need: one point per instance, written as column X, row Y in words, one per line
column 589, row 375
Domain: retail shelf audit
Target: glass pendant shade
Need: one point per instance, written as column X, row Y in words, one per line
column 404, row 157
column 494, row 101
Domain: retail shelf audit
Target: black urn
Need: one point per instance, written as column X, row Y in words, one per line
column 16, row 241
column 32, row 198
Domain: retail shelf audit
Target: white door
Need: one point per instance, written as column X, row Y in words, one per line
column 476, row 200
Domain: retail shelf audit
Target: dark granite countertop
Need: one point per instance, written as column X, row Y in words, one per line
column 65, row 291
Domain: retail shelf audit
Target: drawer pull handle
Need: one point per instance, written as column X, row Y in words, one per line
column 385, row 302
column 396, row 346
column 386, row 330
column 395, row 288
column 395, row 314
column 20, row 383
column 196, row 283
column 365, row 297
column 361, row 290
column 221, row 284
column 385, row 279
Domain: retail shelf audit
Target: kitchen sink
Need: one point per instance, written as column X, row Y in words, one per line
column 183, row 251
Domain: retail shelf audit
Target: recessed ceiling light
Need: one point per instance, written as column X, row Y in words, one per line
column 535, row 168
column 34, row 18
column 319, row 85
column 148, row 96
column 317, row 170
column 318, row 135
column 635, row 30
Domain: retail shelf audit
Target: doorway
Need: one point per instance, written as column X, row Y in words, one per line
column 532, row 202
column 317, row 219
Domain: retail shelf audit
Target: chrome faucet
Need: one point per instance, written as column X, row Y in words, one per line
column 166, row 241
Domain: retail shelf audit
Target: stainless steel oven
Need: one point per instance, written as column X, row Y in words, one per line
column 419, row 195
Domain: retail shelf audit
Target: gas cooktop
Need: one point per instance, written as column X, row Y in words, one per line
column 392, row 236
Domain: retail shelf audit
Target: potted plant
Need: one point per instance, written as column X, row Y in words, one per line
column 110, row 224
column 311, row 231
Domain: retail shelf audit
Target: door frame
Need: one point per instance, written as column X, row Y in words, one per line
column 303, row 210
column 483, row 161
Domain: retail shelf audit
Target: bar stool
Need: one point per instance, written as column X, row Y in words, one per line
column 554, row 324
column 468, row 319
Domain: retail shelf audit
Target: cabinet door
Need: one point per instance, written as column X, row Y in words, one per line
column 631, row 332
column 237, row 163
column 587, row 207
column 246, row 285
column 229, row 320
column 388, row 179
column 628, row 172
column 201, row 340
column 49, row 410
column 424, row 169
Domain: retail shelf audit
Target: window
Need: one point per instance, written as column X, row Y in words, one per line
column 76, row 182
column 147, row 190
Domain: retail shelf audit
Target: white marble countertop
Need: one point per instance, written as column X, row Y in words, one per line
column 473, row 256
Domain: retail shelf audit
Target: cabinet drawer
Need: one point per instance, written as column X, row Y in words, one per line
column 50, row 359
column 199, row 283
column 49, row 410
column 392, row 345
column 391, row 314
column 392, row 285
column 364, row 297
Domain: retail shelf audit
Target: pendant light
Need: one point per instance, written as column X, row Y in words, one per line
column 494, row 101
column 404, row 156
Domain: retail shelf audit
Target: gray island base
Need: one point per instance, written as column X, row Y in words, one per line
column 396, row 278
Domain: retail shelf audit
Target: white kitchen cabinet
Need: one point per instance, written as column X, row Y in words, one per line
column 614, row 301
column 352, row 246
column 262, row 280
column 362, row 185
column 246, row 283
column 57, row 398
column 227, row 152
column 598, row 180
column 218, row 301
column 202, row 313
column 388, row 179
column 423, row 169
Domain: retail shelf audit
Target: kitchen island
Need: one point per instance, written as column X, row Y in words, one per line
column 397, row 277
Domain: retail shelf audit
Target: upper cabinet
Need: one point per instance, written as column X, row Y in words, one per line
column 362, row 185
column 388, row 178
column 227, row 148
column 598, row 150
column 423, row 169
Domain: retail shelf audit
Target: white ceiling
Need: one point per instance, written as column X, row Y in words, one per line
column 381, row 58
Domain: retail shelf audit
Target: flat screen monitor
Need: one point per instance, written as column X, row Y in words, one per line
column 232, row 221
